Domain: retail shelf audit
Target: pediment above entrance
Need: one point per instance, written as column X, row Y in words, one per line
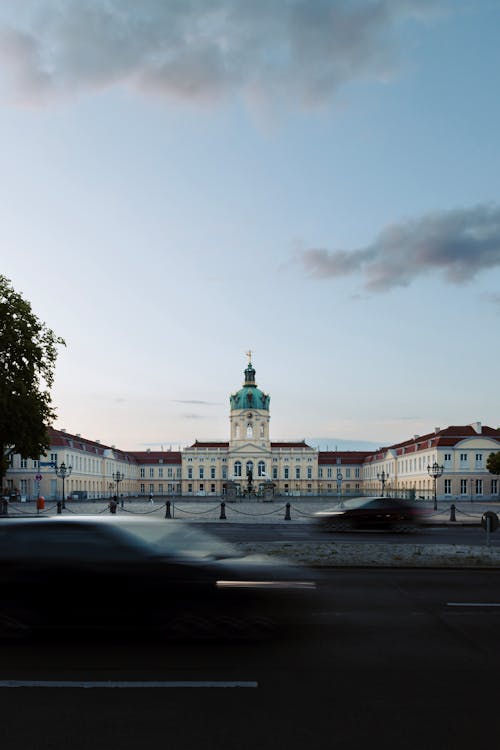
column 249, row 448
column 479, row 443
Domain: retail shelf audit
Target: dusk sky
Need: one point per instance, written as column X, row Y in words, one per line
column 317, row 181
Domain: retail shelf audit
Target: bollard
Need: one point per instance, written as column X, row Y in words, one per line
column 167, row 509
column 5, row 508
column 287, row 512
column 222, row 516
column 489, row 521
column 59, row 507
column 452, row 512
column 122, row 502
column 112, row 506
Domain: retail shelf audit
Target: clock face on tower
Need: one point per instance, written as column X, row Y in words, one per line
column 249, row 415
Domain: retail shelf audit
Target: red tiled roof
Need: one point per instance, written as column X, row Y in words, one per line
column 346, row 457
column 68, row 440
column 75, row 442
column 379, row 455
column 448, row 436
column 157, row 457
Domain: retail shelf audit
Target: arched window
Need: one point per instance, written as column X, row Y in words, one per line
column 262, row 469
column 250, row 468
column 237, row 468
column 249, row 430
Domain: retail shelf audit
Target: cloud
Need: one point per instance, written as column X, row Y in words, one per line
column 458, row 244
column 195, row 416
column 195, row 401
column 300, row 50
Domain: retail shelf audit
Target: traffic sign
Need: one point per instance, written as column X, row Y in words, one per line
column 38, row 477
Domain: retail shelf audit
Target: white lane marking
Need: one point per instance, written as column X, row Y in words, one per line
column 473, row 604
column 126, row 684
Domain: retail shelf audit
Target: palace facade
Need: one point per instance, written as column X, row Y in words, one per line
column 251, row 461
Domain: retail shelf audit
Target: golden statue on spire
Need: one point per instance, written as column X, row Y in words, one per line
column 249, row 355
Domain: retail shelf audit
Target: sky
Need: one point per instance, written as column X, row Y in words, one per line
column 316, row 181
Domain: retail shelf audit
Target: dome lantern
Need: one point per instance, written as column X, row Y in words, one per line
column 249, row 396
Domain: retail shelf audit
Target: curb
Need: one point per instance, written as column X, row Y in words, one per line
column 347, row 555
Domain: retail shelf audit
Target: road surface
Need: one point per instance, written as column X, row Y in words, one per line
column 393, row 658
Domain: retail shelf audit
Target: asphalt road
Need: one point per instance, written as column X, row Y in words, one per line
column 393, row 659
column 305, row 532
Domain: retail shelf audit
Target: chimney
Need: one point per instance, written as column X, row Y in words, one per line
column 476, row 426
column 436, row 430
column 416, row 437
column 78, row 434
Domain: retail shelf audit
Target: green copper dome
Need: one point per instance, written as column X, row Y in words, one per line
column 249, row 396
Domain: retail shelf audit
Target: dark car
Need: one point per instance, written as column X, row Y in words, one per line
column 394, row 513
column 122, row 574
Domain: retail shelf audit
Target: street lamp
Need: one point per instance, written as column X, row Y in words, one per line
column 339, row 488
column 435, row 471
column 118, row 477
column 62, row 472
column 383, row 477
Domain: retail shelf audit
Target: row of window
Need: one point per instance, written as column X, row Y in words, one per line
column 200, row 459
column 171, row 472
column 79, row 464
column 201, row 472
column 410, row 465
column 238, row 473
column 202, row 488
column 420, row 464
column 160, row 489
column 344, row 471
column 472, row 486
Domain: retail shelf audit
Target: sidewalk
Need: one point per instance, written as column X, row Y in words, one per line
column 301, row 510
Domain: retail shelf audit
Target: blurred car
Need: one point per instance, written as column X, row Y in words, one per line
column 395, row 513
column 113, row 573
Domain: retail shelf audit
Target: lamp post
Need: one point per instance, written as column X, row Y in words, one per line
column 383, row 477
column 118, row 477
column 435, row 471
column 62, row 472
column 339, row 488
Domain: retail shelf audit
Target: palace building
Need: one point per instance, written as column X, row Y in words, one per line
column 252, row 464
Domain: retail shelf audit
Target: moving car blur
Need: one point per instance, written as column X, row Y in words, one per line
column 394, row 513
column 125, row 574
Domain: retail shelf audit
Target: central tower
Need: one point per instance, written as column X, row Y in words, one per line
column 249, row 417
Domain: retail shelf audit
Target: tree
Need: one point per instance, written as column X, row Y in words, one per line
column 28, row 353
column 493, row 463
